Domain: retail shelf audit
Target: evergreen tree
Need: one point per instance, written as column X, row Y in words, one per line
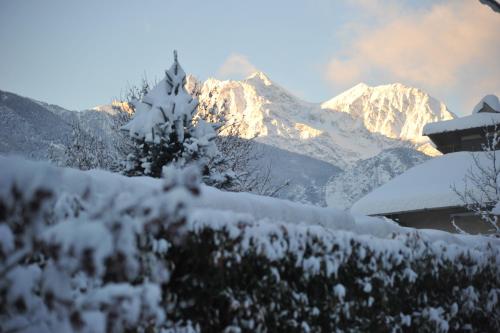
column 164, row 131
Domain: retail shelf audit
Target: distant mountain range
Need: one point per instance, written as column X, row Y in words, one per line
column 332, row 152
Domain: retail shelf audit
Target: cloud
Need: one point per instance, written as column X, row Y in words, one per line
column 345, row 71
column 441, row 47
column 236, row 66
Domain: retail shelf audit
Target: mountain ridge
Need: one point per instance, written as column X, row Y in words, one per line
column 28, row 128
column 346, row 187
column 404, row 109
column 274, row 116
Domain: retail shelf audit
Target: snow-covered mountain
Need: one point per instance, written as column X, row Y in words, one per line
column 394, row 110
column 28, row 128
column 341, row 131
column 346, row 187
column 305, row 176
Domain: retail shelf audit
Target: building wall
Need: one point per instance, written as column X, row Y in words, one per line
column 470, row 139
column 441, row 219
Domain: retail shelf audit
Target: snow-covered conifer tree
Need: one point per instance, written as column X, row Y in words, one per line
column 164, row 130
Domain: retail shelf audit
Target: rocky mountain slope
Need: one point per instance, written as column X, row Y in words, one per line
column 348, row 186
column 300, row 178
column 28, row 128
column 394, row 110
column 359, row 124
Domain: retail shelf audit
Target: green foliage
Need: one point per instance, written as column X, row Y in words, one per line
column 150, row 158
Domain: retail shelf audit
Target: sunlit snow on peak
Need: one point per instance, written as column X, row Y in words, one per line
column 394, row 110
column 258, row 75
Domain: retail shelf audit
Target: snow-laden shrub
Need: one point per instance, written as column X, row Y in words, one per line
column 282, row 278
column 68, row 266
column 90, row 261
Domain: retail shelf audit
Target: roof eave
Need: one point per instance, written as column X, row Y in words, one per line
column 420, row 210
column 460, row 129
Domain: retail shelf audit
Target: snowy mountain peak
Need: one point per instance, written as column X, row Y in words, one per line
column 359, row 87
column 394, row 110
column 398, row 85
column 113, row 108
column 259, row 77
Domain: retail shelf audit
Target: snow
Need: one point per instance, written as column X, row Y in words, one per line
column 380, row 118
column 260, row 207
column 491, row 100
column 261, row 76
column 475, row 120
column 6, row 239
column 111, row 109
column 339, row 291
column 77, row 237
column 350, row 185
column 106, row 183
column 26, row 279
column 168, row 100
column 472, row 121
column 116, row 210
column 394, row 110
column 219, row 208
column 437, row 315
column 425, row 186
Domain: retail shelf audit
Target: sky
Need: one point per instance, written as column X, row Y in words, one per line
column 79, row 54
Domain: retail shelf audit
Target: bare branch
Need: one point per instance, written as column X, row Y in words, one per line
column 480, row 192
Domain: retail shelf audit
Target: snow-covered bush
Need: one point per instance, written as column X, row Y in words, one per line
column 277, row 278
column 77, row 257
column 67, row 265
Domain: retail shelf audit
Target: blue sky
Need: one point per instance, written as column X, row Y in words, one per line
column 79, row 54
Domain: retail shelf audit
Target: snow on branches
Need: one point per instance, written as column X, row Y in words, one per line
column 69, row 265
column 100, row 252
column 481, row 192
column 164, row 130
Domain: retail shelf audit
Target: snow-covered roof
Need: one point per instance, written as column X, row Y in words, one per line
column 491, row 100
column 473, row 121
column 425, row 186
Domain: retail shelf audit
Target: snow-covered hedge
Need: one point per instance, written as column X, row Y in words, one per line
column 293, row 279
column 80, row 258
